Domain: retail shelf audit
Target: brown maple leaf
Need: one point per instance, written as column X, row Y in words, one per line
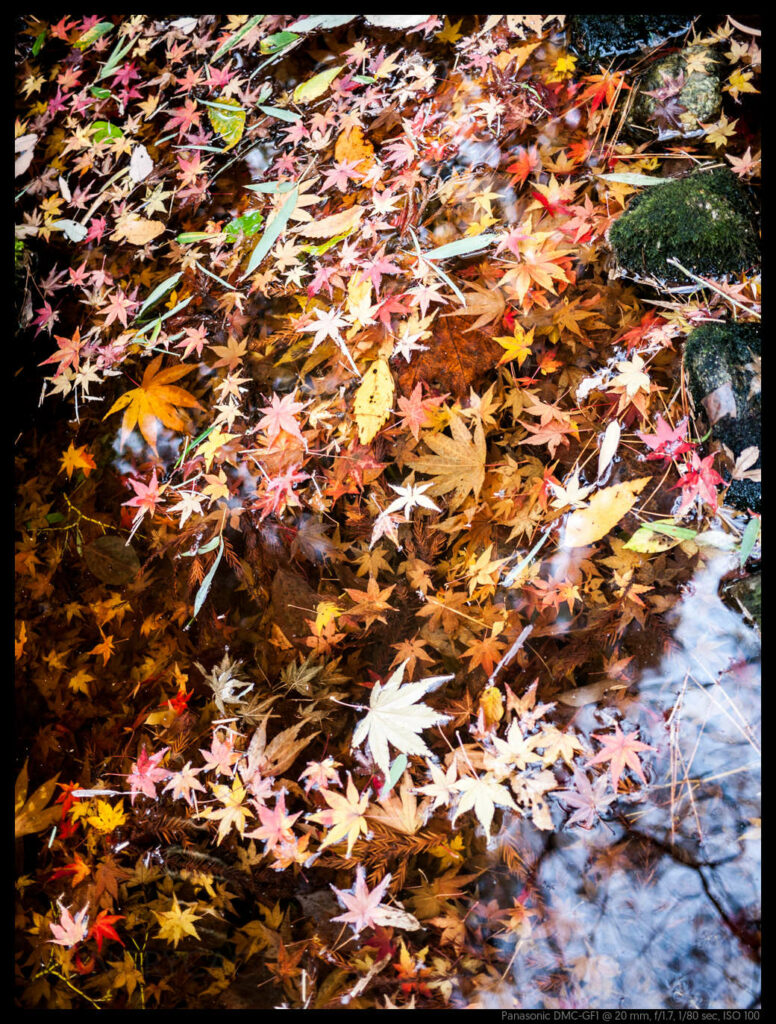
column 458, row 463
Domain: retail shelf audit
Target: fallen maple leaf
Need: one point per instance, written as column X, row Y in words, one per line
column 157, row 398
column 458, row 463
column 620, row 750
column 606, row 509
column 394, row 717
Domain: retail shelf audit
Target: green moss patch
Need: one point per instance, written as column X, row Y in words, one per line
column 706, row 221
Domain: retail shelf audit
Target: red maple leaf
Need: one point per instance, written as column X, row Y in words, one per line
column 621, row 750
column 700, row 481
column 103, row 928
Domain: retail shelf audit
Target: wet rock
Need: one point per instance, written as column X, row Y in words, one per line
column 677, row 95
column 722, row 365
column 749, row 594
column 705, row 221
column 597, row 36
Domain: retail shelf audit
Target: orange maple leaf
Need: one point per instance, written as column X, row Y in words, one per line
column 156, row 399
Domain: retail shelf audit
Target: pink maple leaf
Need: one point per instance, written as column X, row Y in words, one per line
column 665, row 442
column 69, row 930
column 280, row 415
column 145, row 774
column 621, row 750
column 363, row 906
column 275, row 825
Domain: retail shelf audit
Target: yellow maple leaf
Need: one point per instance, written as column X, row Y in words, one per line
column 156, row 399
column 606, row 509
column 77, row 458
column 176, row 923
column 108, row 818
column 516, row 346
column 345, row 818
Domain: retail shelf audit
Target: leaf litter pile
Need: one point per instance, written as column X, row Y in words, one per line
column 369, row 648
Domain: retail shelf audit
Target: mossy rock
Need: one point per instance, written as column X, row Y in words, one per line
column 706, row 221
column 686, row 97
column 749, row 593
column 722, row 366
column 597, row 36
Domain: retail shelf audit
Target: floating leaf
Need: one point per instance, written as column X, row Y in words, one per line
column 281, row 115
column 652, row 538
column 248, row 224
column 228, row 119
column 140, row 230
column 334, row 225
column 748, row 541
column 321, row 22
column 316, row 86
column 402, row 21
column 112, row 560
column 204, row 587
column 161, row 289
column 628, row 178
column 273, row 232
column 374, row 399
column 352, row 145
column 93, row 34
column 606, row 509
column 140, row 164
column 105, row 131
column 234, row 39
column 33, row 815
column 72, row 229
column 278, row 41
column 462, row 247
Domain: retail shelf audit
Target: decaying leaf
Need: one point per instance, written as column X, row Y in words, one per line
column 373, row 400
column 458, row 463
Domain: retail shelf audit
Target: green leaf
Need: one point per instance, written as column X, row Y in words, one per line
column 160, row 290
column 319, row 250
column 248, row 224
column 120, row 51
column 228, row 119
column 40, row 39
column 205, row 585
column 396, row 772
column 100, row 92
column 748, row 541
column 93, row 34
column 652, row 538
column 105, row 131
column 364, row 79
column 315, row 86
column 233, row 40
column 187, row 237
column 280, row 114
column 463, row 247
column 276, row 42
column 273, row 232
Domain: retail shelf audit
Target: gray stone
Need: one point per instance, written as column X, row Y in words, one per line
column 673, row 99
column 598, row 36
column 722, row 365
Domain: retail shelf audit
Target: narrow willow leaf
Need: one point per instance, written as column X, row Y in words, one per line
column 120, row 51
column 93, row 34
column 233, row 40
column 396, row 772
column 160, row 290
column 462, row 247
column 272, row 233
column 275, row 188
column 748, row 541
column 316, row 86
column 280, row 114
column 627, row 178
column 204, row 587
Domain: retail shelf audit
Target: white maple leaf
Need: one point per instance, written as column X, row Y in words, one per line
column 394, row 717
column 482, row 794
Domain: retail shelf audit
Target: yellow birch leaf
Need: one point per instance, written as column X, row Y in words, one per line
column 373, row 400
column 606, row 509
column 492, row 705
column 228, row 119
